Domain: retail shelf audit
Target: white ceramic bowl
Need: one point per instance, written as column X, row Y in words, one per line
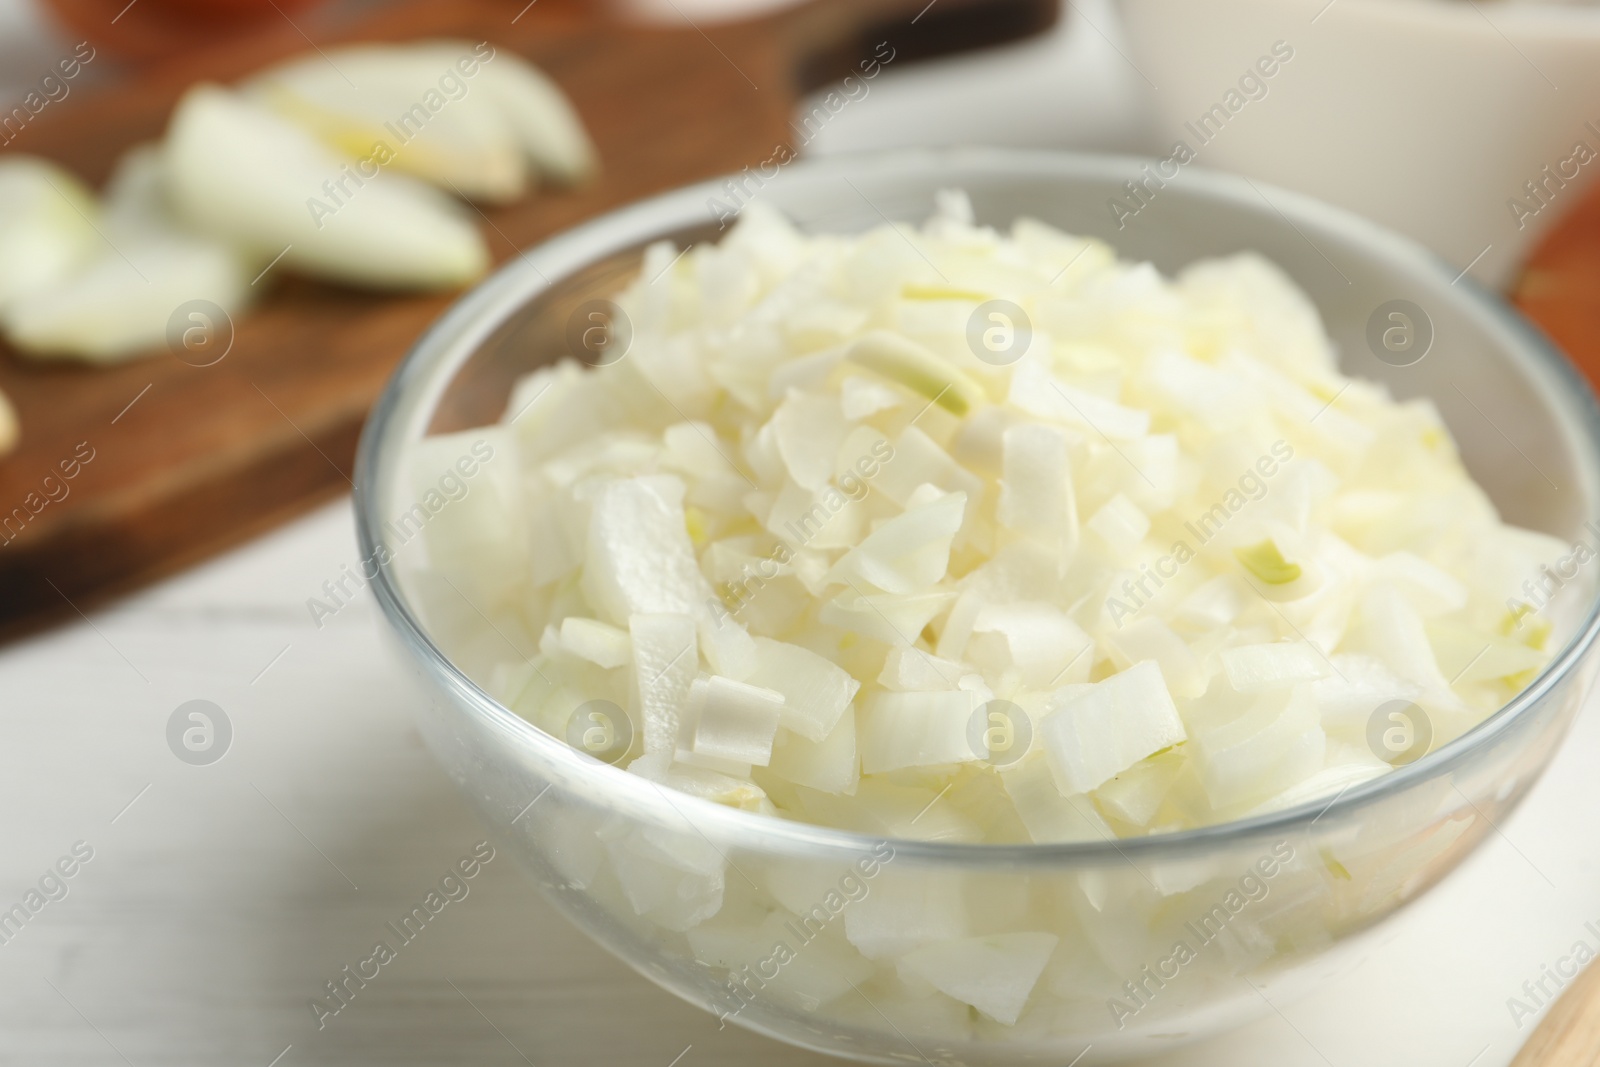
column 1428, row 116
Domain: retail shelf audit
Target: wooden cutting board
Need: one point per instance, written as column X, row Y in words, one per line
column 172, row 462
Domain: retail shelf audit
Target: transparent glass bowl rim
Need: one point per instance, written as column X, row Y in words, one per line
column 425, row 372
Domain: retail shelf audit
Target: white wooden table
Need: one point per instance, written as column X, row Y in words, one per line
column 221, row 898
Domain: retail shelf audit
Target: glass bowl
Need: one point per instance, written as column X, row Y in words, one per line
column 796, row 930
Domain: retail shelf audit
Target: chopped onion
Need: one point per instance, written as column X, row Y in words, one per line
column 993, row 974
column 820, row 549
column 730, row 722
column 1099, row 732
column 590, row 639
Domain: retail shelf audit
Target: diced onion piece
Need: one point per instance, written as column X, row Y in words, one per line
column 1091, row 736
column 821, row 520
column 918, row 730
column 639, row 558
column 689, row 762
column 692, row 449
column 891, row 618
column 1465, row 655
column 904, row 911
column 555, row 549
column 808, row 429
column 475, row 535
column 816, row 692
column 910, row 811
column 675, row 880
column 911, row 670
column 1251, row 667
column 1152, row 639
column 1036, row 391
column 914, row 461
column 1283, row 566
column 908, row 553
column 1204, row 392
column 1214, row 604
column 665, row 661
column 729, row 720
column 1275, row 743
column 827, row 969
column 595, row 641
column 640, row 561
column 830, row 765
column 1390, row 629
column 1047, row 815
column 1347, row 698
column 1333, row 780
column 861, row 396
column 1431, row 590
column 994, row 974
column 1265, row 561
column 1038, row 639
column 1036, row 498
column 1135, row 795
column 1120, row 525
column 902, row 360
